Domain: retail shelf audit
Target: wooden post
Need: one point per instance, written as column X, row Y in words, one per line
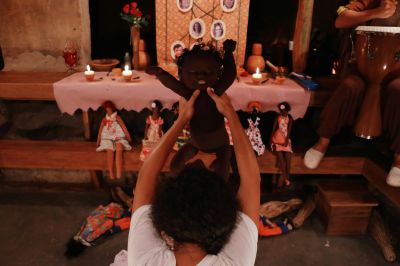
column 86, row 125
column 95, row 176
column 302, row 32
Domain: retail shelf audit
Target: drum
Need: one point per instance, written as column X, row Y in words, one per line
column 378, row 55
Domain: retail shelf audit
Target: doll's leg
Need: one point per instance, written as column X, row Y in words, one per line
column 187, row 152
column 110, row 163
column 282, row 167
column 222, row 161
column 119, row 159
column 288, row 159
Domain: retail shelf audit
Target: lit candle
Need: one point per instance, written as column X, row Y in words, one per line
column 257, row 77
column 89, row 74
column 127, row 74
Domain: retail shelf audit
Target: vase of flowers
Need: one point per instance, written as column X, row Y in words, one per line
column 132, row 14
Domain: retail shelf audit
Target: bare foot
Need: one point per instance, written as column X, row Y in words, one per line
column 322, row 144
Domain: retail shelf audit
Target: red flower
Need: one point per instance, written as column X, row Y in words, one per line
column 133, row 11
column 134, row 4
column 139, row 13
column 126, row 9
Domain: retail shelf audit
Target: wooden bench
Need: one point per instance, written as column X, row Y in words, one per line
column 81, row 155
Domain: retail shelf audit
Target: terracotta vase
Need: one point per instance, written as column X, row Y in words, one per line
column 144, row 57
column 255, row 59
column 135, row 40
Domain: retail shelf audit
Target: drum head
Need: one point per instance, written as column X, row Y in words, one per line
column 393, row 30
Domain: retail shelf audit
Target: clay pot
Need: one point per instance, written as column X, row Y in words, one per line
column 256, row 59
column 144, row 57
column 135, row 35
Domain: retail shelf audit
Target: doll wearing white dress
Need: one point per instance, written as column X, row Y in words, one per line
column 113, row 138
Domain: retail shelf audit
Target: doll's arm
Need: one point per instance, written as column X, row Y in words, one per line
column 146, row 129
column 170, row 81
column 100, row 130
column 229, row 72
column 273, row 130
column 126, row 132
column 289, row 130
column 160, row 128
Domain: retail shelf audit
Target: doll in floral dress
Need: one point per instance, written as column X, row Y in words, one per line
column 113, row 138
column 153, row 130
column 253, row 132
column 280, row 142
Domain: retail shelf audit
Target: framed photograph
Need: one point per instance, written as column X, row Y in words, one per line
column 228, row 5
column 184, row 5
column 218, row 30
column 177, row 48
column 197, row 28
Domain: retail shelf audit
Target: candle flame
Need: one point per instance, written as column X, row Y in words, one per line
column 126, row 67
column 257, row 71
column 88, row 67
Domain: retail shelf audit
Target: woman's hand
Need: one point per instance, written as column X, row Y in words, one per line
column 186, row 108
column 223, row 103
column 386, row 9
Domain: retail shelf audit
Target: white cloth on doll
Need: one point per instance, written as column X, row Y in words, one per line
column 254, row 134
column 112, row 134
column 154, row 128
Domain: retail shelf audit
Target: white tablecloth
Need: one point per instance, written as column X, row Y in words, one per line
column 74, row 92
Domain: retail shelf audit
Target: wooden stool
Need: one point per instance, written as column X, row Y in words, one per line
column 344, row 208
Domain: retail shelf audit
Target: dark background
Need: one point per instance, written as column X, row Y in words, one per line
column 270, row 23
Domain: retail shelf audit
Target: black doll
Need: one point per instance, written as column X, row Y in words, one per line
column 200, row 68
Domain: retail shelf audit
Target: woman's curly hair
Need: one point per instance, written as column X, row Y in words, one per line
column 196, row 207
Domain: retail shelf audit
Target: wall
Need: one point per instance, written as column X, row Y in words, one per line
column 33, row 33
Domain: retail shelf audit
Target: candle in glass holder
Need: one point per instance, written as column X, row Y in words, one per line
column 89, row 74
column 257, row 77
column 127, row 74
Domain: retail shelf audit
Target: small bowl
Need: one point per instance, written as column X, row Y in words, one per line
column 117, row 72
column 103, row 64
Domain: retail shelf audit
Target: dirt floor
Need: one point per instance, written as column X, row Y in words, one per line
column 36, row 224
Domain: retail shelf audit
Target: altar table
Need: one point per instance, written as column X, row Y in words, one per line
column 74, row 92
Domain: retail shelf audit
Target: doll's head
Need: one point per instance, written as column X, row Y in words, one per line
column 175, row 108
column 200, row 67
column 109, row 107
column 284, row 108
column 156, row 107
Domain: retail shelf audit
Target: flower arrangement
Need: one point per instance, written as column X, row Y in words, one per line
column 132, row 14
